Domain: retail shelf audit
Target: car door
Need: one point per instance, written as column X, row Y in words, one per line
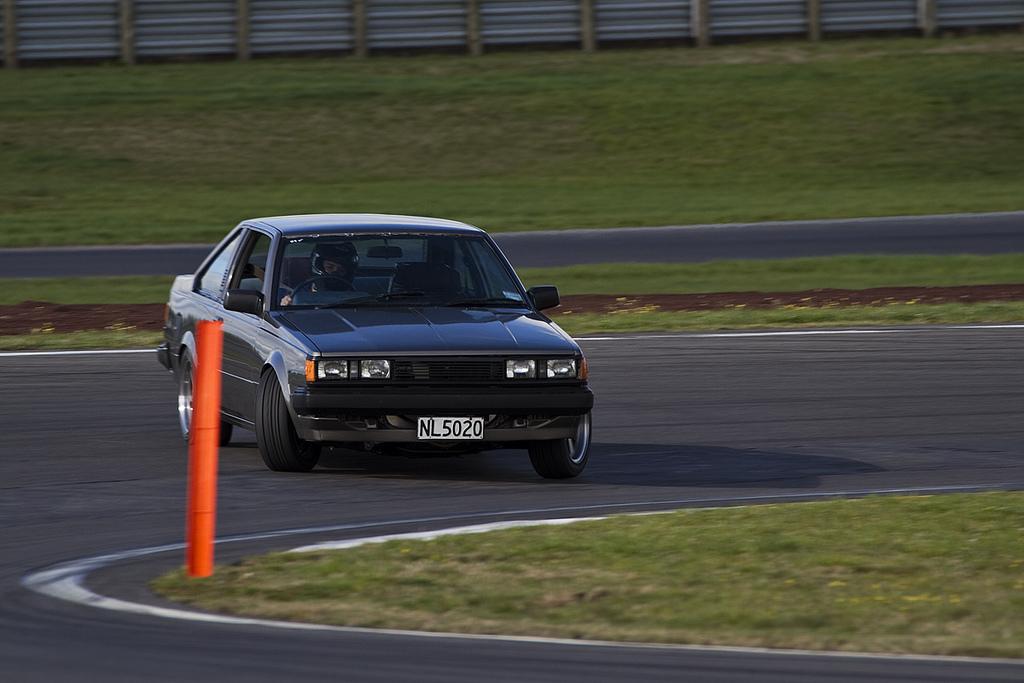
column 210, row 284
column 243, row 349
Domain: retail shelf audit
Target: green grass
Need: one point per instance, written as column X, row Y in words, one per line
column 785, row 275
column 941, row 575
column 745, row 318
column 91, row 339
column 848, row 272
column 86, row 290
column 181, row 152
column 853, row 272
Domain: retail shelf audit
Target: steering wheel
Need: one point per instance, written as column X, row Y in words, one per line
column 307, row 285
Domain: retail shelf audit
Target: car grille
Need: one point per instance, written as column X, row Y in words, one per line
column 449, row 370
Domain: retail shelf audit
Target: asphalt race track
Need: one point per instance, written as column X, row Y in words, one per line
column 92, row 463
column 952, row 234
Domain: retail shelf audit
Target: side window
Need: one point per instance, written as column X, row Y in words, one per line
column 252, row 271
column 211, row 282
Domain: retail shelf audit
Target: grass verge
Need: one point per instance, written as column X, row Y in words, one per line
column 92, row 339
column 181, row 152
column 853, row 272
column 942, row 575
column 86, row 290
column 783, row 275
column 848, row 272
column 795, row 316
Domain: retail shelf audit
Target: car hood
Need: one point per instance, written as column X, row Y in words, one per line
column 427, row 330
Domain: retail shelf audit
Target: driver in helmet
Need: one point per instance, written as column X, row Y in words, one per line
column 334, row 265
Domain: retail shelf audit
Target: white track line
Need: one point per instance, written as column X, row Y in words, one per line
column 805, row 333
column 681, row 335
column 66, row 581
column 91, row 352
column 456, row 531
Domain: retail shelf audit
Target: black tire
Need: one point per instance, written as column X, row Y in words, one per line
column 563, row 458
column 186, row 383
column 280, row 446
column 226, row 430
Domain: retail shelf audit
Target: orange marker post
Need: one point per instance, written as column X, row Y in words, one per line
column 204, row 437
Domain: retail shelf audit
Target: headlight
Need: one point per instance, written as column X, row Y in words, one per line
column 562, row 368
column 520, row 369
column 332, row 369
column 374, row 369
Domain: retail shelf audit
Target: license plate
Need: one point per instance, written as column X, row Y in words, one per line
column 449, row 428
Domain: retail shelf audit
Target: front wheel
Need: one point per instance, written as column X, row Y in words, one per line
column 563, row 458
column 280, row 446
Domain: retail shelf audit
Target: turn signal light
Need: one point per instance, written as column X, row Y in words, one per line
column 310, row 370
column 584, row 371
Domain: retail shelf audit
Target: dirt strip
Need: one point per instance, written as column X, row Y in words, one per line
column 811, row 298
column 38, row 316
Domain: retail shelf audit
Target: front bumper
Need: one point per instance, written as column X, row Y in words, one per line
column 388, row 414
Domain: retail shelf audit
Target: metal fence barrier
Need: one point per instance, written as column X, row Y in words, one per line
column 43, row 30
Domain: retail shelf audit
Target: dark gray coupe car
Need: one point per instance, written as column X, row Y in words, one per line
column 393, row 333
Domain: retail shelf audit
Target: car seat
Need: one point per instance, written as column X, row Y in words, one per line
column 295, row 270
column 432, row 278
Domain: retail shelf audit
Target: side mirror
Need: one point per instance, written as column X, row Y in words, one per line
column 244, row 301
column 544, row 296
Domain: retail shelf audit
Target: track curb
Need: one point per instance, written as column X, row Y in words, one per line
column 66, row 581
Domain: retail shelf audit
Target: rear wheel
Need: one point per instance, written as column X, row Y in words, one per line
column 186, row 388
column 186, row 378
column 280, row 446
column 226, row 429
column 563, row 458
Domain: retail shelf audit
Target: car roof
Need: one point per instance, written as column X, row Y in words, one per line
column 361, row 222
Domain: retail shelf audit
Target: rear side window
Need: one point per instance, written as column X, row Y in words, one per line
column 211, row 282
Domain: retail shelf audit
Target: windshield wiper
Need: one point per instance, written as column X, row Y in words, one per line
column 492, row 301
column 415, row 293
column 387, row 296
column 390, row 296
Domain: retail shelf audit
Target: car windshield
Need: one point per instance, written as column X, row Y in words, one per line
column 394, row 269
